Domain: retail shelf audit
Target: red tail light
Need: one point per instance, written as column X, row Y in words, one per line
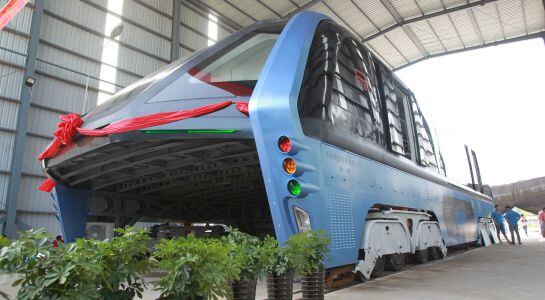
column 284, row 144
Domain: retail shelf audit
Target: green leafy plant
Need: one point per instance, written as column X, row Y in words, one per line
column 123, row 259
column 86, row 269
column 308, row 250
column 4, row 241
column 276, row 259
column 246, row 253
column 196, row 268
column 44, row 272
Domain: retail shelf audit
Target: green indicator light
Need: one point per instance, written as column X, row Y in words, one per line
column 294, row 187
column 190, row 131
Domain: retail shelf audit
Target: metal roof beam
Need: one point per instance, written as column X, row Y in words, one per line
column 392, row 10
column 500, row 20
column 453, row 25
column 540, row 34
column 436, row 35
column 416, row 41
column 523, row 9
column 297, row 5
column 269, row 8
column 360, row 37
column 221, row 18
column 476, row 25
column 175, row 31
column 339, row 17
column 428, row 16
column 240, row 10
column 309, row 5
column 408, row 31
column 378, row 29
column 429, row 24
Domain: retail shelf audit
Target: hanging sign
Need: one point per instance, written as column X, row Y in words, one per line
column 361, row 79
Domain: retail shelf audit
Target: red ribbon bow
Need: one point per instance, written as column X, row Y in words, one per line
column 67, row 128
column 70, row 124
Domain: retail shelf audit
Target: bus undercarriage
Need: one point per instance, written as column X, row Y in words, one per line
column 183, row 180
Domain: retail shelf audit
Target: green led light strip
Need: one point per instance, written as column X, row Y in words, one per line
column 189, row 131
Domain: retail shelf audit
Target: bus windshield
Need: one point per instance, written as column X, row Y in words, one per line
column 236, row 70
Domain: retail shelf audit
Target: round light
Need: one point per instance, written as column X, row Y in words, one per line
column 284, row 144
column 289, row 165
column 294, row 187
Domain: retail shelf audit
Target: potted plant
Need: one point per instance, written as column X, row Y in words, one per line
column 4, row 241
column 246, row 253
column 84, row 269
column 123, row 259
column 308, row 250
column 195, row 268
column 279, row 267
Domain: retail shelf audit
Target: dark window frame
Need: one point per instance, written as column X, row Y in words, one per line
column 437, row 166
column 407, row 150
column 339, row 90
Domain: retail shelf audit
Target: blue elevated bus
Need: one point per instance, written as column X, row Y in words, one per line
column 333, row 141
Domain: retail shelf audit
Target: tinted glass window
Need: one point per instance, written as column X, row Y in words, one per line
column 234, row 68
column 394, row 105
column 237, row 70
column 134, row 90
column 426, row 151
column 338, row 100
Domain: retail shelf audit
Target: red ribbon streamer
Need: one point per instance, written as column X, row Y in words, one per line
column 47, row 185
column 70, row 124
column 10, row 10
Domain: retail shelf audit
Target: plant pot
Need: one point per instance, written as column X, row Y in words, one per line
column 280, row 287
column 313, row 285
column 243, row 289
column 172, row 298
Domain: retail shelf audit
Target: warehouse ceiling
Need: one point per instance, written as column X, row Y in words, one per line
column 403, row 32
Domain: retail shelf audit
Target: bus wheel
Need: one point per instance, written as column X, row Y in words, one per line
column 358, row 276
column 421, row 256
column 436, row 253
column 395, row 262
column 379, row 267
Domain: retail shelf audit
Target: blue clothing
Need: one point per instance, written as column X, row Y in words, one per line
column 512, row 217
column 497, row 217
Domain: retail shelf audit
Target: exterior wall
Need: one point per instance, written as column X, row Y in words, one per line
column 13, row 43
column 70, row 50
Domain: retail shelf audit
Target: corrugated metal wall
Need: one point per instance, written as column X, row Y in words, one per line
column 70, row 50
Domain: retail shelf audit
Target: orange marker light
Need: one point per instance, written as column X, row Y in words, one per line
column 289, row 165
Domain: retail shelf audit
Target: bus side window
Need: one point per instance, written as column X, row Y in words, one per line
column 374, row 98
column 337, row 101
column 426, row 151
column 394, row 109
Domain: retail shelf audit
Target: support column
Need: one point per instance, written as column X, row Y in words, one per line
column 71, row 207
column 175, row 32
column 22, row 121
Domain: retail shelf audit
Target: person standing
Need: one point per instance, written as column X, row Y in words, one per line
column 512, row 218
column 541, row 219
column 524, row 224
column 58, row 240
column 499, row 221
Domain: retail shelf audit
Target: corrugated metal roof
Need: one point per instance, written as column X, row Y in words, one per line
column 403, row 32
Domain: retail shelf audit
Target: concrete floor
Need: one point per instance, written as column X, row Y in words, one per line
column 497, row 272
